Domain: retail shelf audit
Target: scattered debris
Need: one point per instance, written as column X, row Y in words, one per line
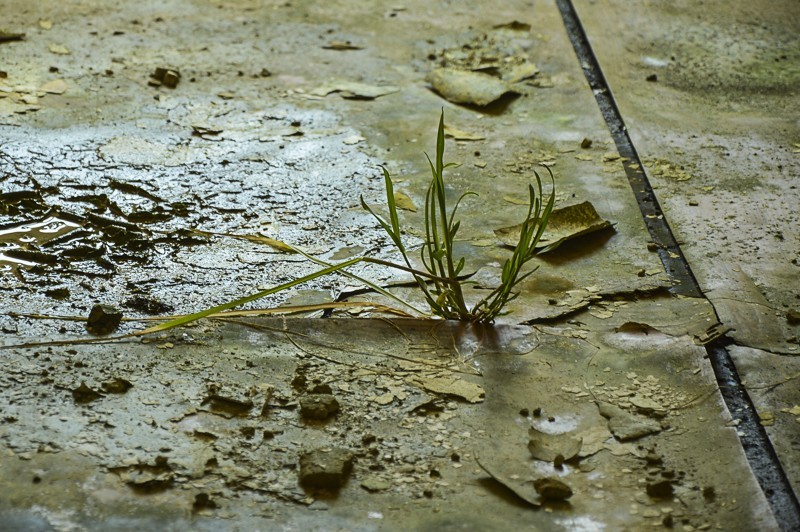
column 83, row 394
column 521, row 72
column 325, row 469
column 794, row 411
column 353, row 140
column 227, row 404
column 514, row 25
column 318, row 406
column 148, row 305
column 9, row 37
column 374, row 484
column 353, row 90
column 168, row 77
column 565, row 224
column 450, row 385
column 635, row 327
column 461, row 86
column 648, row 406
column 499, row 54
column 103, row 319
column 660, row 489
column 669, row 170
column 206, row 132
column 57, row 86
column 626, row 426
column 145, row 477
column 519, row 485
column 713, row 332
column 553, row 447
column 342, row 45
column 59, row 49
column 457, row 134
column 404, row 202
column 117, row 385
column 552, row 489
column 203, row 501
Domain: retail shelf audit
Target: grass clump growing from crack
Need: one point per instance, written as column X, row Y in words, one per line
column 442, row 282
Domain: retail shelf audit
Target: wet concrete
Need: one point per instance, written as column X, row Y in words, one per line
column 276, row 127
column 716, row 120
column 716, row 134
column 419, row 403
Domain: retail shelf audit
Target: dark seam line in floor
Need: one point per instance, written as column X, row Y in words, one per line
column 753, row 437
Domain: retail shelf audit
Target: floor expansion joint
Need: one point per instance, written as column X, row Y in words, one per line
column 753, row 437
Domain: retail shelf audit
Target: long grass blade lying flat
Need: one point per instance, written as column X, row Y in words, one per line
column 288, row 248
column 183, row 320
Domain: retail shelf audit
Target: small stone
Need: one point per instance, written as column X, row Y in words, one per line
column 57, row 86
column 374, row 484
column 626, row 426
column 59, row 49
column 661, row 489
column 653, row 458
column 83, row 394
column 226, row 404
column 647, row 406
column 552, row 489
column 321, row 388
column 325, row 470
column 103, row 319
column 202, row 501
column 793, row 316
column 318, row 406
column 652, row 78
column 168, row 77
column 117, row 385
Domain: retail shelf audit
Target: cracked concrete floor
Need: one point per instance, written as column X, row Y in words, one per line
column 275, row 128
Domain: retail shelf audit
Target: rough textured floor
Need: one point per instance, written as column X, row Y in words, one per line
column 149, row 151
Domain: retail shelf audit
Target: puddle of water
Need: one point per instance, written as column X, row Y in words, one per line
column 563, row 424
column 17, row 236
column 476, row 339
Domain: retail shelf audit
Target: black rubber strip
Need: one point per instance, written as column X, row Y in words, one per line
column 753, row 437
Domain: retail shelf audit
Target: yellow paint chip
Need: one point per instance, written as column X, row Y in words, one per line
column 59, row 49
column 404, row 202
column 57, row 86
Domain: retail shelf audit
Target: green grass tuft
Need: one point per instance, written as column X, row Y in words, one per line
column 442, row 281
column 441, row 284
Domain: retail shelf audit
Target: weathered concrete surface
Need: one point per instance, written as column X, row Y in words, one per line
column 717, row 126
column 718, row 132
column 247, row 154
column 249, row 142
column 215, row 419
column 771, row 380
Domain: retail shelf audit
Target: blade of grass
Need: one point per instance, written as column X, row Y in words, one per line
column 188, row 318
